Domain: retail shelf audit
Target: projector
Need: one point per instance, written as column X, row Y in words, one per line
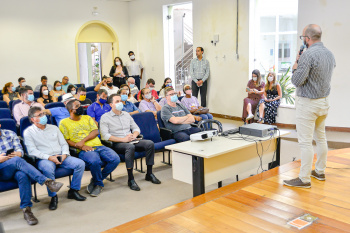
column 257, row 130
column 203, row 135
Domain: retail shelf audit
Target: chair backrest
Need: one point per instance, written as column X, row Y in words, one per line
column 54, row 105
column 25, row 123
column 13, row 103
column 59, row 99
column 137, row 104
column 79, row 85
column 5, row 113
column 92, row 95
column 92, row 88
column 160, row 121
column 36, row 94
column 9, row 124
column 3, row 104
column 148, row 126
column 158, row 93
column 180, row 98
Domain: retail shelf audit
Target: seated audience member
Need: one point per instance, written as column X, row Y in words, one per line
column 163, row 101
column 60, row 113
column 109, row 86
column 22, row 83
column 148, row 102
column 131, row 98
column 192, row 104
column 21, row 109
column 45, row 97
column 65, row 83
column 100, row 107
column 72, row 89
column 57, row 90
column 120, row 128
column 267, row 108
column 9, row 93
column 104, row 78
column 127, row 106
column 43, row 83
column 177, row 118
column 133, row 88
column 81, row 96
column 166, row 83
column 46, row 143
column 119, row 72
column 255, row 89
column 150, row 85
column 81, row 132
column 13, row 167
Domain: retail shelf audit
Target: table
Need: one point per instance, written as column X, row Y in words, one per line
column 202, row 163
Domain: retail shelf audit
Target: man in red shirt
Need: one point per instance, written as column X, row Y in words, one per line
column 150, row 85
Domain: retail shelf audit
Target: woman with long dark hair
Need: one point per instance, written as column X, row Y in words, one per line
column 118, row 72
column 45, row 97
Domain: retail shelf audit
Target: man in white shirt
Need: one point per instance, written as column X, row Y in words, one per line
column 135, row 68
column 109, row 87
column 43, row 83
column 46, row 143
column 133, row 88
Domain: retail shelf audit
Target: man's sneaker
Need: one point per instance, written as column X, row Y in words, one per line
column 297, row 183
column 91, row 186
column 318, row 176
column 96, row 191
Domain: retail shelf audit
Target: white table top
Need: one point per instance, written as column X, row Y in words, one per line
column 219, row 145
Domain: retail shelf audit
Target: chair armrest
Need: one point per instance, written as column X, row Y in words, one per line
column 165, row 134
column 194, row 125
column 73, row 152
column 31, row 160
column 140, row 136
column 107, row 143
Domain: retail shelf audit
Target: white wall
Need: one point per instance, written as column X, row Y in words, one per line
column 38, row 36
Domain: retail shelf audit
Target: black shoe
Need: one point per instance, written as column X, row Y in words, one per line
column 152, row 178
column 91, row 186
column 53, row 203
column 74, row 194
column 133, row 186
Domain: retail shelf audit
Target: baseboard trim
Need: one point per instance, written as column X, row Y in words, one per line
column 282, row 125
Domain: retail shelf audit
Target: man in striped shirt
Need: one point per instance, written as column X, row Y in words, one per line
column 312, row 73
column 199, row 71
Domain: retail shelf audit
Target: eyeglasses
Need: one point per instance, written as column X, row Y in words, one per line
column 41, row 114
column 301, row 37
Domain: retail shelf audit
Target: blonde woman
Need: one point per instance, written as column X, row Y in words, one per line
column 267, row 108
column 9, row 93
column 57, row 91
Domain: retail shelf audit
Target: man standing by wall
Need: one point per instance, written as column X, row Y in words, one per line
column 312, row 75
column 199, row 71
column 135, row 69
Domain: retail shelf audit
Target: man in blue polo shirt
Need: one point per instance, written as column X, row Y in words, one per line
column 100, row 107
column 60, row 113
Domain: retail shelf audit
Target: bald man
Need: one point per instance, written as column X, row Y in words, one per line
column 312, row 73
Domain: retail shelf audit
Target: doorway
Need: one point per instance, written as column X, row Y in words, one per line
column 178, row 42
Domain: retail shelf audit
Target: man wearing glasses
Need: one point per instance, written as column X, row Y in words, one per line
column 312, row 73
column 177, row 118
column 46, row 143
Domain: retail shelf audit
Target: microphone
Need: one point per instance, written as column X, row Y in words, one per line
column 302, row 47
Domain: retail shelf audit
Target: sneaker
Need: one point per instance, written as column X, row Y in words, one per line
column 318, row 176
column 96, row 191
column 91, row 186
column 297, row 183
column 250, row 116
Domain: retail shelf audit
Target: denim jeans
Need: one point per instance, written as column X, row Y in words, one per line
column 94, row 160
column 48, row 168
column 204, row 117
column 184, row 135
column 18, row 169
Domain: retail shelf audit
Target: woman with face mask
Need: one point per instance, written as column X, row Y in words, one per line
column 148, row 102
column 72, row 89
column 57, row 90
column 127, row 106
column 118, row 72
column 167, row 83
column 267, row 108
column 45, row 98
column 131, row 97
column 9, row 93
column 255, row 89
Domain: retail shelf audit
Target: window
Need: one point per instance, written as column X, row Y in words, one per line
column 273, row 37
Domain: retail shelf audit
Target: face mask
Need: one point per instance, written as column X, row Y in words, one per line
column 13, row 89
column 270, row 78
column 46, row 92
column 102, row 101
column 169, row 85
column 73, row 92
column 117, row 63
column 79, row 111
column 124, row 97
column 109, row 84
column 188, row 92
column 82, row 97
column 43, row 120
column 30, row 98
column 255, row 78
column 24, row 84
column 132, row 86
column 148, row 96
column 151, row 88
column 132, row 57
column 58, row 88
column 174, row 98
column 119, row 106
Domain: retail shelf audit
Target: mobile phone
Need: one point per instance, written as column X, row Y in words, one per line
column 10, row 151
column 248, row 89
column 59, row 158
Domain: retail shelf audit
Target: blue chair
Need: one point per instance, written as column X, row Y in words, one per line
column 148, row 126
column 79, row 85
column 54, row 105
column 1, row 97
column 137, row 104
column 92, row 88
column 5, row 113
column 3, row 104
column 13, row 103
column 158, row 93
column 92, row 95
column 180, row 98
column 59, row 99
column 9, row 124
column 36, row 94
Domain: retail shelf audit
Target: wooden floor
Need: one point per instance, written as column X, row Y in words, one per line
column 260, row 204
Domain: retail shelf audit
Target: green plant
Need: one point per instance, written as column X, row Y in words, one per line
column 287, row 89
